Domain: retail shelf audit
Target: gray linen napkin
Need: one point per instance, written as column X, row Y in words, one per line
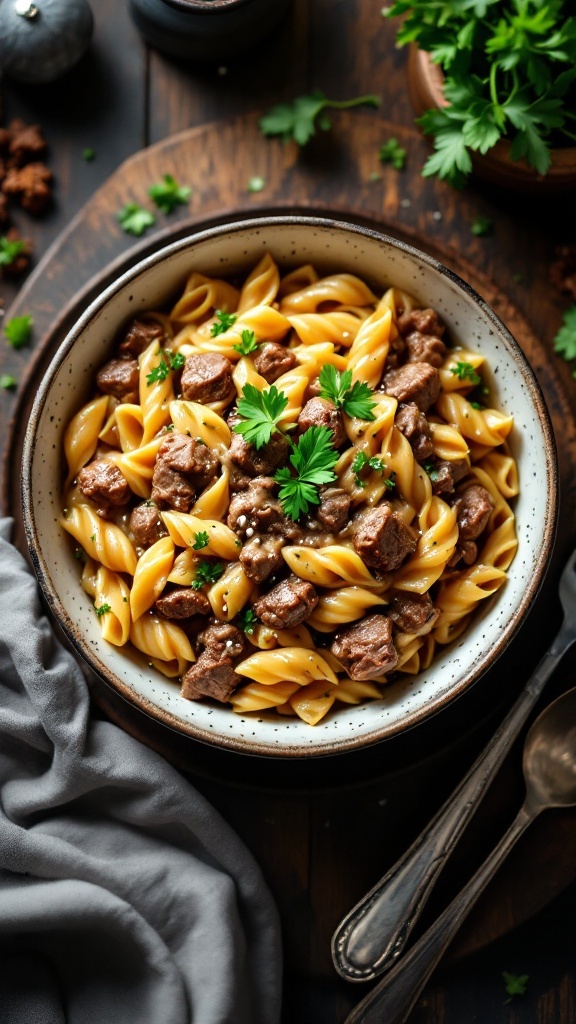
column 124, row 897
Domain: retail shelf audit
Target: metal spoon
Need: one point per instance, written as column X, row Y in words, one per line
column 549, row 765
column 372, row 936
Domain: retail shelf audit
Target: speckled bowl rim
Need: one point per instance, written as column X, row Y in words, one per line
column 412, row 718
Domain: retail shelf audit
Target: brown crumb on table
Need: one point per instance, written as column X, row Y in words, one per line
column 563, row 270
column 31, row 186
column 26, row 142
column 21, row 262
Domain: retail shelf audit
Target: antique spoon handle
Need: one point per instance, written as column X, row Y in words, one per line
column 372, row 936
column 393, row 998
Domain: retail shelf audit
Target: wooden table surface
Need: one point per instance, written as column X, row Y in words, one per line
column 125, row 96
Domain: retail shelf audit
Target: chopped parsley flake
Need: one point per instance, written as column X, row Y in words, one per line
column 248, row 620
column 102, row 610
column 200, row 540
column 247, row 343
column 465, row 371
column 7, row 382
column 207, row 572
column 361, row 461
column 222, row 323
column 169, row 361
column 393, row 153
column 18, row 330
column 168, row 194
column 135, row 219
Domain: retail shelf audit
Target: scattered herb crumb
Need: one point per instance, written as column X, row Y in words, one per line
column 515, row 984
column 207, row 572
column 93, row 537
column 375, row 176
column 8, row 382
column 465, row 371
column 88, row 155
column 168, row 362
column 393, row 153
column 79, row 554
column 517, row 278
column 18, row 330
column 482, row 226
column 565, row 340
column 256, row 184
column 299, row 119
column 135, row 219
column 102, row 610
column 168, row 194
column 248, row 620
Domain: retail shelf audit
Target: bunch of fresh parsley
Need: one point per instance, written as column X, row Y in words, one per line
column 510, row 71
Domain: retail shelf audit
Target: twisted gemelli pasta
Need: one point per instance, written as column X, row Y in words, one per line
column 289, row 490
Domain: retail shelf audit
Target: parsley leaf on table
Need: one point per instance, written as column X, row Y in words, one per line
column 135, row 219
column 313, row 458
column 207, row 572
column 515, row 984
column 465, row 371
column 247, row 343
column 248, row 620
column 7, row 382
column 482, row 226
column 200, row 540
column 260, row 412
column 393, row 153
column 256, row 184
column 168, row 194
column 9, row 250
column 88, row 155
column 222, row 323
column 18, row 330
column 299, row 119
column 565, row 340
column 169, row 361
column 353, row 399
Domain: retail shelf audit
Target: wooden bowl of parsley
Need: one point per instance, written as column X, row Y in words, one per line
column 230, row 252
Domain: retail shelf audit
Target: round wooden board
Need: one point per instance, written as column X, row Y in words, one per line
column 414, row 772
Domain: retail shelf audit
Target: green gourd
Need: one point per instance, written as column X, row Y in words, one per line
column 40, row 40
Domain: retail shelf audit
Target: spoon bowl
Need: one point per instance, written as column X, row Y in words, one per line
column 549, row 761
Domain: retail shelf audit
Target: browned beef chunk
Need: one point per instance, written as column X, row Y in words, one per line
column 412, row 613
column 319, row 412
column 119, row 378
column 103, row 483
column 366, row 650
column 261, row 461
column 473, row 511
column 208, row 378
column 256, row 509
column 288, row 604
column 272, row 360
column 237, row 480
column 383, row 540
column 183, row 467
column 182, row 603
column 210, row 677
column 313, row 389
column 416, row 429
column 466, row 552
column 414, row 382
column 222, row 638
column 262, row 556
column 444, row 475
column 426, row 321
column 333, row 510
column 138, row 336
column 425, row 348
column 146, row 525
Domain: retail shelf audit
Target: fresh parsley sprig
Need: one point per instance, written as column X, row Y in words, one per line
column 361, row 460
column 565, row 340
column 515, row 984
column 10, row 249
column 169, row 361
column 168, row 194
column 353, row 399
column 102, row 610
column 201, row 540
column 248, row 620
column 260, row 412
column 222, row 323
column 247, row 343
column 465, row 371
column 299, row 119
column 135, row 219
column 313, row 458
column 207, row 572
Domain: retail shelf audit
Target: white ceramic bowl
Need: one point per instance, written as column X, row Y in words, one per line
column 382, row 261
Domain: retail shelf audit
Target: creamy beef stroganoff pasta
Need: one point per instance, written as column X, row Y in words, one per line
column 287, row 490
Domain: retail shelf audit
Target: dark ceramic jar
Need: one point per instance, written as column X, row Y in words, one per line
column 206, row 30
